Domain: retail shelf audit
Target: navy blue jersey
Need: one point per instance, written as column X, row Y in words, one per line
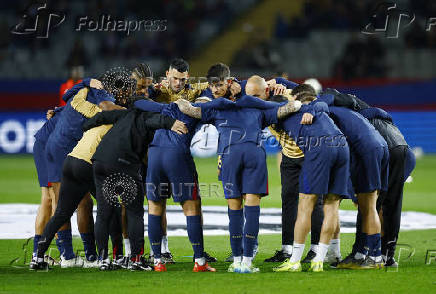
column 68, row 129
column 48, row 127
column 321, row 132
column 168, row 138
column 358, row 130
column 238, row 125
column 287, row 83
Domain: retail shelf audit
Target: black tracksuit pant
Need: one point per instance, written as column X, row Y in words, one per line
column 290, row 172
column 105, row 211
column 401, row 164
column 77, row 181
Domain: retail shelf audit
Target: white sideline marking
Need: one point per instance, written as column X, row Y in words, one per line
column 17, row 221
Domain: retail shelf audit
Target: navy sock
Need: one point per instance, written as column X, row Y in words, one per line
column 155, row 234
column 251, row 228
column 362, row 246
column 59, row 246
column 374, row 245
column 35, row 243
column 66, row 239
column 236, row 224
column 88, row 240
column 195, row 236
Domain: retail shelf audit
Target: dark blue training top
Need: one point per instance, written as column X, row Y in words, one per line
column 167, row 138
column 359, row 132
column 48, row 127
column 238, row 125
column 69, row 126
column 321, row 133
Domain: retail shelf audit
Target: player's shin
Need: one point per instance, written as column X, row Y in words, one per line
column 236, row 222
column 155, row 235
column 194, row 233
column 251, row 230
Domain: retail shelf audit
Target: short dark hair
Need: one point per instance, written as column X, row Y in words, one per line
column 179, row 64
column 304, row 93
column 303, row 88
column 218, row 72
column 278, row 98
column 143, row 70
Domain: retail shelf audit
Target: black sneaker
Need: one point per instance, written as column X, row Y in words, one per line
column 310, row 255
column 121, row 262
column 38, row 266
column 347, row 261
column 391, row 262
column 335, row 264
column 167, row 257
column 366, row 263
column 208, row 257
column 105, row 265
column 229, row 257
column 279, row 256
column 140, row 265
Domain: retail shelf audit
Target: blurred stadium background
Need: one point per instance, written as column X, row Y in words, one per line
column 323, row 39
column 294, row 39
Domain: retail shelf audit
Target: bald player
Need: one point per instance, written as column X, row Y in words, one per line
column 290, row 167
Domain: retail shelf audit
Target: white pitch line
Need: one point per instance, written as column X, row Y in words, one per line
column 17, row 221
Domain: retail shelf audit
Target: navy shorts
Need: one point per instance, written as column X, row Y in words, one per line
column 40, row 159
column 326, row 169
column 370, row 169
column 55, row 160
column 244, row 171
column 171, row 173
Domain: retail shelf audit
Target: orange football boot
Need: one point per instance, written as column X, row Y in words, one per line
column 160, row 267
column 203, row 268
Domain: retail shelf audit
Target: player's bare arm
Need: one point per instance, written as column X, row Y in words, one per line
column 188, row 109
column 288, row 108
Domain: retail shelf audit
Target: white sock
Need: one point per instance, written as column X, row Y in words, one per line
column 200, row 261
column 287, row 249
column 321, row 252
column 237, row 258
column 164, row 245
column 314, row 247
column 297, row 252
column 156, row 261
column 359, row 256
column 335, row 247
column 127, row 247
column 247, row 260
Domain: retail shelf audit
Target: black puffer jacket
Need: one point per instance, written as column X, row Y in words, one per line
column 127, row 141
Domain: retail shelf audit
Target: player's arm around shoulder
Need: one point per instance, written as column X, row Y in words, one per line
column 81, row 105
column 188, row 109
column 104, row 118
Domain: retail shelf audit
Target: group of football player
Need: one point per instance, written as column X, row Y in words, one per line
column 121, row 138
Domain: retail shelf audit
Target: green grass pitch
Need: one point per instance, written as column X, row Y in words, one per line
column 18, row 184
